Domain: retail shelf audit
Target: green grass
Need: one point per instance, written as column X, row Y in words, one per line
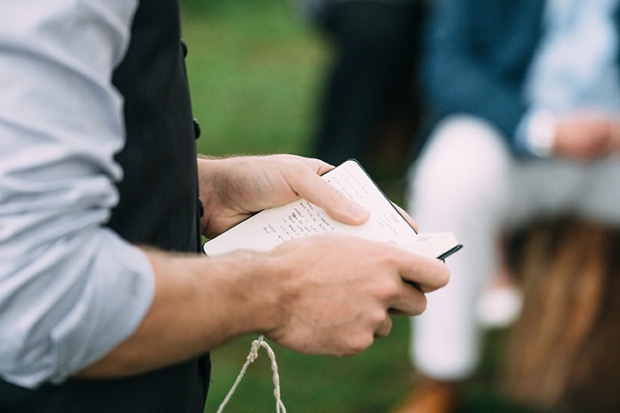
column 255, row 70
column 368, row 382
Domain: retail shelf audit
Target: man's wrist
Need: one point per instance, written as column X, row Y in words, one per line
column 255, row 282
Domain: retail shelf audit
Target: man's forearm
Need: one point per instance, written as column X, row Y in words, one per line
column 324, row 294
column 199, row 304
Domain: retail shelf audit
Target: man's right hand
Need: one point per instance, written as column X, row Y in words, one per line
column 336, row 292
column 324, row 294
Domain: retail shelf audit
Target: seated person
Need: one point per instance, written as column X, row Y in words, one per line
column 525, row 98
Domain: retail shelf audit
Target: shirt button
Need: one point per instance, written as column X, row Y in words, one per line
column 184, row 48
column 196, row 129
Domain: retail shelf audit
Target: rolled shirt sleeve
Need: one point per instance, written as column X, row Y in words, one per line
column 70, row 288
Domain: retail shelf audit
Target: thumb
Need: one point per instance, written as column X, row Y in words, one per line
column 337, row 205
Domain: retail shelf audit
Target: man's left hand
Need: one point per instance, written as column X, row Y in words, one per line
column 232, row 189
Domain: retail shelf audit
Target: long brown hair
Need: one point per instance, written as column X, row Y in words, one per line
column 564, row 350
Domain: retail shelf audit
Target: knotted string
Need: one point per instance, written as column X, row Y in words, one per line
column 256, row 345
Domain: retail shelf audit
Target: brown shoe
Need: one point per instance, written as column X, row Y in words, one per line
column 430, row 396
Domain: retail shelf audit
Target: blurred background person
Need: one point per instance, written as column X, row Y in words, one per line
column 524, row 99
column 370, row 105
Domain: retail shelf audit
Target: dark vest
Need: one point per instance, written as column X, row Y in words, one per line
column 158, row 206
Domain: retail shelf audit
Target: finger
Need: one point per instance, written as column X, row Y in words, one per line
column 396, row 311
column 318, row 166
column 412, row 302
column 384, row 329
column 310, row 186
column 406, row 216
column 426, row 274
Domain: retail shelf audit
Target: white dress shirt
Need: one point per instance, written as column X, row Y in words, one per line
column 70, row 289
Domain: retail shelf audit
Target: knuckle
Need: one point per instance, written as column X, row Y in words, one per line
column 386, row 257
column 355, row 343
column 420, row 305
column 378, row 317
column 444, row 277
column 297, row 165
column 362, row 342
column 389, row 289
column 296, row 170
column 386, row 327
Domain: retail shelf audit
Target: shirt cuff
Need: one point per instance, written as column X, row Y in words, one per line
column 119, row 298
column 97, row 294
column 535, row 133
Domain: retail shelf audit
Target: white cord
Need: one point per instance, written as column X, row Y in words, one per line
column 256, row 344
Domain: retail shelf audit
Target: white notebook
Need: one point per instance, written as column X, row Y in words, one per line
column 300, row 218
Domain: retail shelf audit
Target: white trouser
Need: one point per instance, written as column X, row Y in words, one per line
column 467, row 182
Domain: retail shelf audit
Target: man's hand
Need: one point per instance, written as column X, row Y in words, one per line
column 325, row 294
column 586, row 137
column 336, row 292
column 232, row 189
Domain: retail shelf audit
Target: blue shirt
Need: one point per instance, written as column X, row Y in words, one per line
column 575, row 66
column 70, row 289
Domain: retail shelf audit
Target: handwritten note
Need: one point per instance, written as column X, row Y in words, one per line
column 301, row 218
